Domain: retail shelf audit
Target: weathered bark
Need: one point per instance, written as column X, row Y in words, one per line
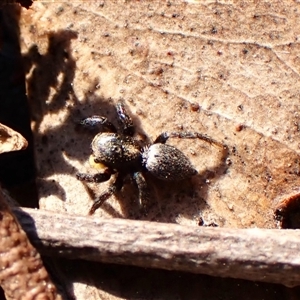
column 255, row 254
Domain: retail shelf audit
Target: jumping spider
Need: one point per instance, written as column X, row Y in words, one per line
column 121, row 154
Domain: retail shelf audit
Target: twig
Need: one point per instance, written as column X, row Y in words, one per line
column 269, row 255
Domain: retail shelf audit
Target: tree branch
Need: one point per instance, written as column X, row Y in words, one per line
column 255, row 254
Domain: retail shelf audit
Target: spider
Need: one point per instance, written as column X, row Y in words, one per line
column 118, row 152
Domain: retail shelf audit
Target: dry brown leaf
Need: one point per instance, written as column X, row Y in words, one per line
column 227, row 69
column 11, row 140
column 237, row 62
column 23, row 275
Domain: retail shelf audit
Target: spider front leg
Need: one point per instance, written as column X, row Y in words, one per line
column 98, row 123
column 99, row 177
column 115, row 187
column 125, row 120
column 163, row 137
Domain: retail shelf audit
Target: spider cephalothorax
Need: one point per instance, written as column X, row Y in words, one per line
column 120, row 153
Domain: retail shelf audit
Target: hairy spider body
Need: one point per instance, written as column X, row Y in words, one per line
column 167, row 163
column 119, row 153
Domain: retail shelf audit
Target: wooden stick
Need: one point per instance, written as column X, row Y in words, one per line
column 269, row 255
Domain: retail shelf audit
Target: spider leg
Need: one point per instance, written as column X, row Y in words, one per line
column 163, row 137
column 99, row 124
column 115, row 187
column 144, row 193
column 99, row 177
column 124, row 120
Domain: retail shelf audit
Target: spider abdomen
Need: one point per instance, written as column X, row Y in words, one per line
column 167, row 163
